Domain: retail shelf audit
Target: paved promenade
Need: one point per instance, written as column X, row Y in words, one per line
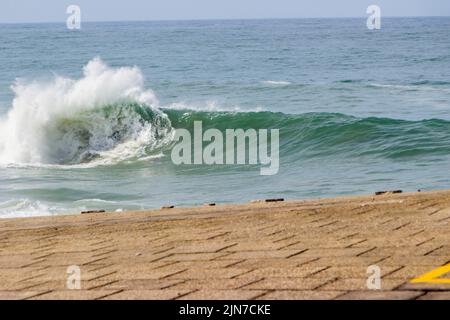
column 317, row 249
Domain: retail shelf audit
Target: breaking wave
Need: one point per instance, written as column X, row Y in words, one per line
column 104, row 117
column 108, row 116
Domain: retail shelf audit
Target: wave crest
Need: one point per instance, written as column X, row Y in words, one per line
column 105, row 116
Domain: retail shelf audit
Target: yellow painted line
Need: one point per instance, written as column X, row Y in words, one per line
column 433, row 276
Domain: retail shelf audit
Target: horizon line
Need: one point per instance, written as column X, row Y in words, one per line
column 219, row 19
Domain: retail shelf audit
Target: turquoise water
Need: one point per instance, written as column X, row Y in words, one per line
column 358, row 110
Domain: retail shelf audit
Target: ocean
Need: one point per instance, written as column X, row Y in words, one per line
column 87, row 116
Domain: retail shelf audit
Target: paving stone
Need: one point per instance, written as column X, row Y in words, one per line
column 290, row 250
column 147, row 295
column 223, row 295
column 19, row 295
column 381, row 295
column 217, row 284
column 435, row 296
column 288, row 284
column 141, row 284
column 301, row 295
column 361, row 284
column 426, row 286
column 74, row 295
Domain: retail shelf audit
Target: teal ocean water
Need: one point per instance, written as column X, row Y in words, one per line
column 87, row 116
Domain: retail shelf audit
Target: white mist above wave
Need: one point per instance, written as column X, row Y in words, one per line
column 104, row 117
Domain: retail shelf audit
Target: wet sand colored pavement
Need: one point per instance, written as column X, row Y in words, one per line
column 315, row 249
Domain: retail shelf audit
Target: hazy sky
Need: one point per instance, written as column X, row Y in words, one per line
column 107, row 10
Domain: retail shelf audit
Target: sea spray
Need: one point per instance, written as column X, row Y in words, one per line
column 104, row 116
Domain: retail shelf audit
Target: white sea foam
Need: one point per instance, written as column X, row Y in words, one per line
column 211, row 106
column 277, row 83
column 410, row 87
column 17, row 208
column 22, row 207
column 84, row 122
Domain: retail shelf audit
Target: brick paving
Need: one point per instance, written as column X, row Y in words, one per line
column 318, row 249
